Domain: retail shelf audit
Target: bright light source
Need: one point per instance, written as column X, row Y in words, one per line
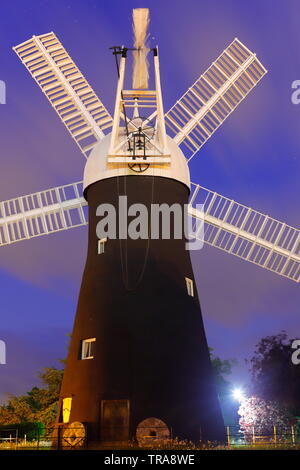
column 238, row 394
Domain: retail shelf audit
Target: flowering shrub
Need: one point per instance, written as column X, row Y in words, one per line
column 260, row 416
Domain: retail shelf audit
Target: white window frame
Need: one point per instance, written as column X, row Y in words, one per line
column 86, row 343
column 189, row 286
column 101, row 246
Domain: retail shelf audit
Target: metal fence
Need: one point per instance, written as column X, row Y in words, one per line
column 254, row 437
column 72, row 438
column 58, row 437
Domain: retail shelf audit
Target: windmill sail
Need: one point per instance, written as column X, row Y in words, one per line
column 42, row 213
column 69, row 93
column 212, row 98
column 228, row 225
column 140, row 18
column 248, row 234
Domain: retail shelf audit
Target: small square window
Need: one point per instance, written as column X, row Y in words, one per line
column 189, row 286
column 101, row 245
column 88, row 348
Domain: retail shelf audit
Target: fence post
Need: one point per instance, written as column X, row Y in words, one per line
column 228, row 436
column 275, row 435
column 253, row 435
column 58, row 437
column 293, row 435
column 38, row 436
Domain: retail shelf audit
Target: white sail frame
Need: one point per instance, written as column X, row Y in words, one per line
column 67, row 90
column 247, row 233
column 214, row 96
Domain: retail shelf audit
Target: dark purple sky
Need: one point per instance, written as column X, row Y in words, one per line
column 254, row 159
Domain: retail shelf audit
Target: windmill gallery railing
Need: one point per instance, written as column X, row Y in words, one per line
column 228, row 225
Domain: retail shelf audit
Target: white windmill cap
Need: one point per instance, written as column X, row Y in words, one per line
column 97, row 168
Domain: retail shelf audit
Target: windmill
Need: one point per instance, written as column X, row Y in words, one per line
column 138, row 363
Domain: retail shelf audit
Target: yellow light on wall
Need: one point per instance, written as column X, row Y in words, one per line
column 67, row 403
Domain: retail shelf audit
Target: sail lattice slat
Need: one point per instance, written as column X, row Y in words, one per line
column 42, row 213
column 69, row 93
column 248, row 234
column 212, row 98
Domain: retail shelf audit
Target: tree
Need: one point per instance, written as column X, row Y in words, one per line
column 16, row 411
column 39, row 404
column 274, row 376
column 223, row 368
column 261, row 416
